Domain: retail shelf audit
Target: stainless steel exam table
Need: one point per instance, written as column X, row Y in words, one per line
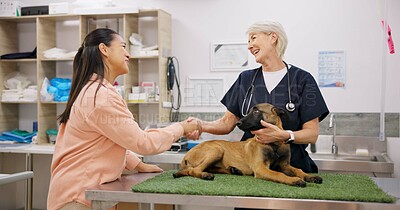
column 105, row 196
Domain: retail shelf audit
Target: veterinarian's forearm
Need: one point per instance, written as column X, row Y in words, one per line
column 222, row 126
column 216, row 127
column 309, row 133
column 305, row 136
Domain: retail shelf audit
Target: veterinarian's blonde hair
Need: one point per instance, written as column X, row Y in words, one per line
column 269, row 26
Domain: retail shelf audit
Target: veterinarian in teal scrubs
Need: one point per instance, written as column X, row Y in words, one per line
column 280, row 84
column 285, row 86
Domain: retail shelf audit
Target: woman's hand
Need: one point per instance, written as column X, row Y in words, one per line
column 192, row 128
column 195, row 135
column 271, row 133
column 147, row 168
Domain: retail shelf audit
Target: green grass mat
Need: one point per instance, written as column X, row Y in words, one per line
column 344, row 187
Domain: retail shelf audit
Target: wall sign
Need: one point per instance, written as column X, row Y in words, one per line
column 331, row 69
column 204, row 91
column 233, row 56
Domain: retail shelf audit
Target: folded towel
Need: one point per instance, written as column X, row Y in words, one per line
column 20, row 136
column 19, row 55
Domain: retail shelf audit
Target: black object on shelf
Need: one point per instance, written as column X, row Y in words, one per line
column 19, row 55
column 36, row 10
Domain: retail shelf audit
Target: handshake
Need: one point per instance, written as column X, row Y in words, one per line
column 192, row 128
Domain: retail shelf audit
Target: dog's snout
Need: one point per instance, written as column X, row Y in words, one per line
column 239, row 123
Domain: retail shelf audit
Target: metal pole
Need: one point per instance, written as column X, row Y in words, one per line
column 29, row 183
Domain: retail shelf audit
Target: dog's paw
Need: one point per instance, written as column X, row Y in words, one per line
column 235, row 171
column 177, row 175
column 207, row 176
column 299, row 183
column 314, row 179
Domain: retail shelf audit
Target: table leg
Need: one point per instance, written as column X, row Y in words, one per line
column 29, row 182
column 103, row 205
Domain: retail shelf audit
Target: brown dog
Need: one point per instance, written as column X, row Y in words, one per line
column 264, row 161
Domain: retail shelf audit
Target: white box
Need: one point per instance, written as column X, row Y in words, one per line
column 136, row 89
column 137, row 97
column 148, row 87
column 10, row 8
column 58, row 8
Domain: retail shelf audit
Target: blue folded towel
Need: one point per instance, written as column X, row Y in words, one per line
column 9, row 138
column 11, row 135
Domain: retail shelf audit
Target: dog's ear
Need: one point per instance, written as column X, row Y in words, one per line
column 280, row 112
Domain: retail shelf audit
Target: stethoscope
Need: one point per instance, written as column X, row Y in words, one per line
column 289, row 106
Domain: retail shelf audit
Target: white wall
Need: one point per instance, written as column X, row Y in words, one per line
column 312, row 25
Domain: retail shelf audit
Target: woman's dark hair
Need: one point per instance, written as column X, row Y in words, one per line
column 87, row 61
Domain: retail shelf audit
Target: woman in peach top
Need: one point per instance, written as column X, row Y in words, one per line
column 97, row 131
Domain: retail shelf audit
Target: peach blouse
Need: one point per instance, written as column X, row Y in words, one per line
column 95, row 145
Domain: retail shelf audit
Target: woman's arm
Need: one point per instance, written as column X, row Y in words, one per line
column 271, row 133
column 112, row 119
column 134, row 163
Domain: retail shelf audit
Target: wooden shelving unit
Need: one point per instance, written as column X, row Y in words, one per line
column 46, row 30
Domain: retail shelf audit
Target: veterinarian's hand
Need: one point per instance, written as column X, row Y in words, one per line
column 192, row 128
column 195, row 135
column 147, row 168
column 271, row 133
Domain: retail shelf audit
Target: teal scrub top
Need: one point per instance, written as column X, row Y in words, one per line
column 305, row 94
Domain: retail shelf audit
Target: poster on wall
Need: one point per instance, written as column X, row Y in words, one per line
column 331, row 69
column 204, row 91
column 229, row 56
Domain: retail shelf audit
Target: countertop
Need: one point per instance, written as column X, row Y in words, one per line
column 379, row 169
column 109, row 194
column 27, row 148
